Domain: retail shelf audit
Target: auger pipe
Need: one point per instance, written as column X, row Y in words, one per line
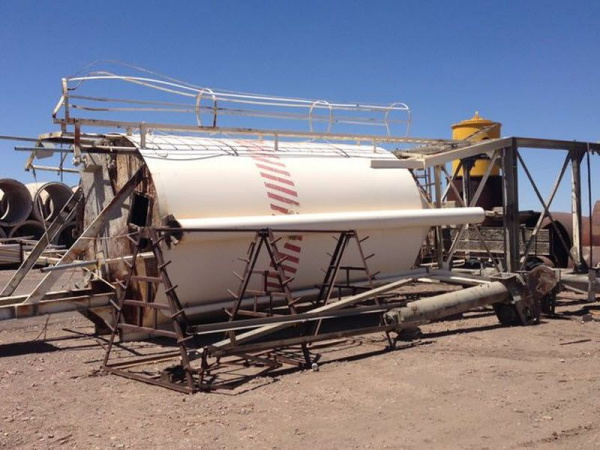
column 451, row 303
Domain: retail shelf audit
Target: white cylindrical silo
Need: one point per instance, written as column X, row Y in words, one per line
column 229, row 181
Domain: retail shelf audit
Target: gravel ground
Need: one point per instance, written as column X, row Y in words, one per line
column 468, row 384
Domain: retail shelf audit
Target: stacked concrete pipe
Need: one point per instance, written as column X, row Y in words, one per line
column 16, row 202
column 27, row 210
column 48, row 200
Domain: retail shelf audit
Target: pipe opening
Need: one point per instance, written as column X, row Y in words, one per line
column 15, row 203
column 49, row 199
column 67, row 236
column 28, row 228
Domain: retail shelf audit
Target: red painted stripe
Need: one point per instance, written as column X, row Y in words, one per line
column 281, row 189
column 290, row 258
column 282, row 199
column 289, row 269
column 269, row 160
column 275, row 178
column 279, row 209
column 273, row 169
column 292, row 247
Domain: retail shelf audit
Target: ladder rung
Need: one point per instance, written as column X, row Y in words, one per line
column 185, row 339
column 153, row 331
column 289, row 280
column 157, row 242
column 294, row 301
column 177, row 314
column 130, row 302
column 162, row 266
column 255, row 292
column 285, row 258
column 233, row 294
column 145, row 278
column 115, row 305
column 238, row 276
column 171, row 289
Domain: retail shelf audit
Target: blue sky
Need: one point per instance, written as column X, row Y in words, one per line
column 531, row 65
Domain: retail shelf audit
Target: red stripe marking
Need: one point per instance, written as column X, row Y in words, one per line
column 290, row 258
column 279, row 198
column 272, row 169
column 281, row 189
column 279, row 179
column 279, row 209
column 286, row 268
column 269, row 161
column 292, row 247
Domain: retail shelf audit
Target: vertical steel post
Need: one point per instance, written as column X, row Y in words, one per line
column 439, row 243
column 510, row 200
column 576, row 250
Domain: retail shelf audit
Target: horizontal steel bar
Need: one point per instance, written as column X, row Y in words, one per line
column 69, row 266
column 84, row 303
column 251, row 131
column 290, row 319
column 233, row 350
column 53, row 169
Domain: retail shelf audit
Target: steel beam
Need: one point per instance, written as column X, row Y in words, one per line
column 90, row 232
column 510, row 200
column 345, row 302
column 577, row 251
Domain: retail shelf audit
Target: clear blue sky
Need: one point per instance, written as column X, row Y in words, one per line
column 532, row 65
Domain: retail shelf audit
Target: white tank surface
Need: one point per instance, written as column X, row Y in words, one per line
column 234, row 183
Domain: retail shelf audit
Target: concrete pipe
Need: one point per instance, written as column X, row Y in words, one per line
column 48, row 199
column 31, row 228
column 67, row 236
column 16, row 202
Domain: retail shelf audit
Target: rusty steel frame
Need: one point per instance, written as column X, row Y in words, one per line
column 508, row 151
column 185, row 334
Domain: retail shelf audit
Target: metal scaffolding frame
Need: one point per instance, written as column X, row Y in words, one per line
column 507, row 150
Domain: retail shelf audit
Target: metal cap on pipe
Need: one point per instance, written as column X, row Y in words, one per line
column 16, row 202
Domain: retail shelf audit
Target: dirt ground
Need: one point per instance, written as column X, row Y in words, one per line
column 468, row 384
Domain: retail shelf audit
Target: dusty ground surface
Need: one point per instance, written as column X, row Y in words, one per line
column 469, row 384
